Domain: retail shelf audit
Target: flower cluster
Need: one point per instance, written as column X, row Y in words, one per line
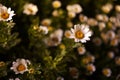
column 61, row 40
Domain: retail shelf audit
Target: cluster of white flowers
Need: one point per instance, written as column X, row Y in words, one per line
column 73, row 10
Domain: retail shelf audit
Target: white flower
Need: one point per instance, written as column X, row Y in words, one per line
column 77, row 8
column 56, row 4
column 117, row 8
column 30, row 9
column 6, row 14
column 80, row 33
column 71, row 14
column 107, row 72
column 43, row 29
column 90, row 67
column 20, row 66
column 74, row 72
column 81, row 50
column 14, row 79
column 55, row 38
column 46, row 22
column 60, row 78
column 107, row 7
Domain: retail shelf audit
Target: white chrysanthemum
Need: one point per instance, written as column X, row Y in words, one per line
column 43, row 29
column 30, row 9
column 20, row 66
column 6, row 14
column 81, row 33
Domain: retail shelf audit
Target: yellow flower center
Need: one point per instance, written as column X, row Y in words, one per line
column 21, row 67
column 79, row 34
column 31, row 11
column 5, row 15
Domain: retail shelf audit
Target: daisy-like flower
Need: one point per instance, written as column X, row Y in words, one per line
column 6, row 14
column 80, row 33
column 30, row 9
column 43, row 29
column 20, row 66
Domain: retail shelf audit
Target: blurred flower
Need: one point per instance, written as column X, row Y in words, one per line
column 43, row 29
column 111, row 54
column 2, row 63
column 83, row 18
column 46, row 22
column 107, row 72
column 71, row 14
column 91, row 68
column 60, row 78
column 92, row 22
column 101, row 25
column 31, row 70
column 55, row 38
column 117, row 8
column 81, row 50
column 55, row 13
column 14, row 79
column 117, row 60
column 67, row 33
column 62, row 46
column 69, row 24
column 104, row 37
column 85, row 60
column 114, row 41
column 75, row 8
column 107, row 8
column 80, row 33
column 56, row 4
column 74, row 72
column 30, row 9
column 20, row 66
column 112, row 19
column 90, row 58
column 110, row 34
column 97, row 41
column 6, row 14
column 99, row 17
